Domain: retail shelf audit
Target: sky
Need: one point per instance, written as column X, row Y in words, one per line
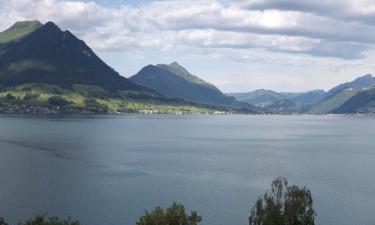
column 238, row 45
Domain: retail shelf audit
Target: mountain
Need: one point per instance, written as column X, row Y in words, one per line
column 361, row 82
column 347, row 97
column 45, row 69
column 281, row 101
column 259, row 98
column 46, row 54
column 362, row 102
column 308, row 98
column 175, row 81
column 334, row 101
column 284, row 106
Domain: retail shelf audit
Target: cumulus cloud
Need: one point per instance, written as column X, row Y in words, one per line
column 333, row 28
column 362, row 11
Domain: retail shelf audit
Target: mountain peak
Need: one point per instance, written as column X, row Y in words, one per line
column 178, row 69
column 26, row 23
column 19, row 30
column 175, row 64
column 175, row 81
column 51, row 26
column 365, row 77
column 365, row 80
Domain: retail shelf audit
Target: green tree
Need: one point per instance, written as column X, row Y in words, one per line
column 28, row 90
column 58, row 101
column 29, row 96
column 94, row 106
column 9, row 96
column 174, row 215
column 2, row 221
column 284, row 205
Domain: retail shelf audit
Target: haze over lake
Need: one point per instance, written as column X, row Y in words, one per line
column 109, row 169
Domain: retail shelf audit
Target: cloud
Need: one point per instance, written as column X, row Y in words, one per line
column 362, row 11
column 289, row 27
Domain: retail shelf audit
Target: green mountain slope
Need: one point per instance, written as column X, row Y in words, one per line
column 361, row 82
column 49, row 55
column 347, row 97
column 18, row 30
column 362, row 102
column 175, row 81
column 334, row 102
column 50, row 99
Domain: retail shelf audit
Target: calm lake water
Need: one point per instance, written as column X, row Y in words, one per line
column 108, row 170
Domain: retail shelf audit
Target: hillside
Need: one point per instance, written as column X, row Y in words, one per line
column 347, row 97
column 334, row 102
column 176, row 82
column 39, row 98
column 361, row 82
column 362, row 102
column 309, row 98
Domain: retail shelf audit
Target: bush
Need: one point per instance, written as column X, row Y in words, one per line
column 29, row 96
column 174, row 215
column 27, row 89
column 44, row 220
column 55, row 90
column 58, row 101
column 94, row 106
column 284, row 205
column 10, row 96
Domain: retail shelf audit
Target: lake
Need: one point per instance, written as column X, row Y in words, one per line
column 106, row 170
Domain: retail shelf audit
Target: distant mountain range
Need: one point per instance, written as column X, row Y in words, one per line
column 43, row 66
column 175, row 81
column 357, row 96
column 281, row 101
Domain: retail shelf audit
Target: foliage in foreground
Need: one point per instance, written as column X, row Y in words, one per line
column 284, row 205
column 44, row 220
column 174, row 215
column 2, row 221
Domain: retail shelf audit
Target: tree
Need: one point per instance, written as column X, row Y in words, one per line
column 28, row 90
column 44, row 220
column 58, row 101
column 2, row 221
column 94, row 106
column 174, row 215
column 29, row 96
column 284, row 205
column 9, row 96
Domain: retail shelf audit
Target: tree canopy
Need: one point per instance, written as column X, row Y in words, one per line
column 174, row 215
column 284, row 205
